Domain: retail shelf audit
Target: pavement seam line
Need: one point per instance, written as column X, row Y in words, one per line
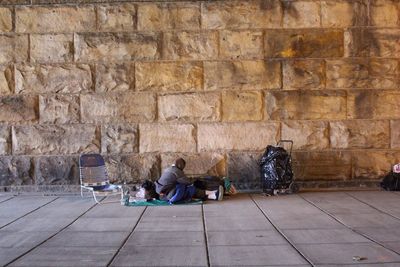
column 126, row 239
column 205, row 235
column 41, row 243
column 281, row 232
column 26, row 214
column 7, row 199
column 350, row 228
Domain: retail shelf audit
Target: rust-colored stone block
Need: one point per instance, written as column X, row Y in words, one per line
column 236, row 136
column 5, row 140
column 327, row 165
column 373, row 164
column 167, row 138
column 6, row 80
column 119, row 138
column 189, row 107
column 16, row 171
column 345, row 13
column 55, row 139
column 198, row 164
column 19, row 109
column 54, row 48
column 56, row 170
column 125, row 107
column 303, row 74
column 305, row 105
column 385, row 13
column 14, row 48
column 51, row 19
column 242, row 106
column 241, row 44
column 64, row 78
column 169, row 76
column 316, row 43
column 190, row 45
column 241, row 14
column 301, row 14
column 120, row 17
column 371, row 104
column 59, row 109
column 246, row 75
column 395, row 134
column 5, row 19
column 168, row 16
column 359, row 134
column 309, row 135
column 116, row 46
column 115, row 77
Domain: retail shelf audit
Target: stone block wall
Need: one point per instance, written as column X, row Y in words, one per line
column 143, row 82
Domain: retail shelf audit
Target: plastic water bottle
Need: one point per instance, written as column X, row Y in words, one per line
column 125, row 199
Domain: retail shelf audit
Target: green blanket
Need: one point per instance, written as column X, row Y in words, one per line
column 163, row 203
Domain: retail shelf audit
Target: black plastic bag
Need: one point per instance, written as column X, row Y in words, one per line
column 391, row 182
column 276, row 169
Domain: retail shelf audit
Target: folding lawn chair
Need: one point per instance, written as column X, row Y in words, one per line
column 94, row 177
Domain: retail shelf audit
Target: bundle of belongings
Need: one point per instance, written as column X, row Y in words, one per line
column 174, row 187
column 391, row 182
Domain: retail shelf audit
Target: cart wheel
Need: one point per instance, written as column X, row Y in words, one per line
column 295, row 188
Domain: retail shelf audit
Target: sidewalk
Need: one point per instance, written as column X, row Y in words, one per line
column 309, row 229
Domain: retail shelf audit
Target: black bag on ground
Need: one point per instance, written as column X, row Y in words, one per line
column 208, row 183
column 276, row 169
column 391, row 182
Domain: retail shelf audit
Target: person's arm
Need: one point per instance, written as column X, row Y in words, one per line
column 183, row 180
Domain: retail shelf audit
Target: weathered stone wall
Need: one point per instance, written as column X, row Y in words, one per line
column 212, row 81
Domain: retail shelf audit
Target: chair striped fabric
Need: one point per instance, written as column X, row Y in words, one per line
column 94, row 177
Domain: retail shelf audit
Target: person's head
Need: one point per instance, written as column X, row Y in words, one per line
column 180, row 163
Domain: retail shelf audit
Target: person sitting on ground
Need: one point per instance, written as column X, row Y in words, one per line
column 174, row 186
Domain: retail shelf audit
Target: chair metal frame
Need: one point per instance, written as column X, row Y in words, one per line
column 97, row 174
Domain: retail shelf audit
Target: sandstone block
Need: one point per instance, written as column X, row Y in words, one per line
column 133, row 168
column 395, row 134
column 56, row 170
column 363, row 73
column 169, row 76
column 242, row 106
column 236, row 136
column 385, row 13
column 41, row 19
column 16, row 171
column 126, row 107
column 121, row 17
column 190, row 45
column 304, row 74
column 6, row 80
column 55, row 139
column 244, row 171
column 116, row 46
column 59, row 109
column 65, row 78
column 241, row 44
column 18, row 109
column 360, row 134
column 14, row 48
column 119, row 138
column 5, row 19
column 115, row 77
column 373, row 164
column 168, row 16
column 167, row 138
column 51, row 48
column 345, row 13
column 242, row 75
column 189, row 107
column 367, row 104
column 241, row 14
column 305, row 105
column 301, row 14
column 198, row 164
column 308, row 135
column 5, row 140
column 316, row 43
column 327, row 165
